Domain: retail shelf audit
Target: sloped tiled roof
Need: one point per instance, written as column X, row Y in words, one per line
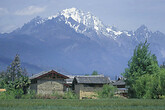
column 99, row 79
column 39, row 74
column 119, row 82
column 45, row 72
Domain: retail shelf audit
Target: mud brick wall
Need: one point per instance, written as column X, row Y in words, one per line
column 50, row 86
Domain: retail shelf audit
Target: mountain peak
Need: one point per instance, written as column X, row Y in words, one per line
column 74, row 13
column 90, row 22
column 143, row 33
column 82, row 22
column 143, row 28
column 71, row 10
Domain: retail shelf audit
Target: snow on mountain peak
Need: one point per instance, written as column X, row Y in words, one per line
column 86, row 19
column 73, row 13
column 89, row 21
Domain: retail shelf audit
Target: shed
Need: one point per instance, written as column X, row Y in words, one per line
column 87, row 86
column 48, row 82
column 121, row 88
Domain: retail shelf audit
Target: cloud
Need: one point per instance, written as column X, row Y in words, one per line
column 3, row 11
column 7, row 28
column 30, row 10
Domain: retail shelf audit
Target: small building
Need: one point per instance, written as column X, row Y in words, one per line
column 120, row 85
column 87, row 86
column 48, row 82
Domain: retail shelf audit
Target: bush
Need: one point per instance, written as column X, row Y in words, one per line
column 30, row 95
column 70, row 95
column 57, row 95
column 4, row 95
column 11, row 94
column 108, row 91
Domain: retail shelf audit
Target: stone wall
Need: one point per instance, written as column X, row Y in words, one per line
column 50, row 86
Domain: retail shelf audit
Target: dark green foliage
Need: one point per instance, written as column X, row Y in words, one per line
column 11, row 94
column 2, row 76
column 162, row 82
column 142, row 74
column 15, row 80
column 70, row 95
column 163, row 65
column 108, row 91
column 95, row 73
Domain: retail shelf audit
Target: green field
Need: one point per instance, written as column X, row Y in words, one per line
column 65, row 104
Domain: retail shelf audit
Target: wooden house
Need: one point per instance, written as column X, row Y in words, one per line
column 87, row 86
column 48, row 82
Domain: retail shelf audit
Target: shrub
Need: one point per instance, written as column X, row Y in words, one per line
column 4, row 95
column 70, row 95
column 30, row 95
column 57, row 95
column 108, row 91
column 12, row 94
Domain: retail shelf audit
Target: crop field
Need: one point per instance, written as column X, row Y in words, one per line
column 66, row 104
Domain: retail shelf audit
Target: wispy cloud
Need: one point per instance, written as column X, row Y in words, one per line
column 3, row 11
column 7, row 28
column 30, row 10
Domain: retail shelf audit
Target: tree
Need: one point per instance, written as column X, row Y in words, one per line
column 162, row 81
column 141, row 72
column 2, row 76
column 95, row 73
column 15, row 78
column 14, row 71
column 163, row 65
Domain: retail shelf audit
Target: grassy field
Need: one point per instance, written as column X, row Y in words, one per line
column 111, row 104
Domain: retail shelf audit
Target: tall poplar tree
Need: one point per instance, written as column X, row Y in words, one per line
column 142, row 69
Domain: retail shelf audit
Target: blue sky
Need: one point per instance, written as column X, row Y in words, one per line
column 124, row 14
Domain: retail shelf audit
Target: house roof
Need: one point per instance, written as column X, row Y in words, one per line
column 119, row 82
column 69, row 81
column 46, row 72
column 98, row 79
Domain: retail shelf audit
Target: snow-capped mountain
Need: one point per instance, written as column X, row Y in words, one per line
column 77, row 42
column 84, row 23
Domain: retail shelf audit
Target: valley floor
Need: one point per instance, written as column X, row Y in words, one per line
column 74, row 104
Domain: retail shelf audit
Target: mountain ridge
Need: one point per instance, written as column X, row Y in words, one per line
column 76, row 46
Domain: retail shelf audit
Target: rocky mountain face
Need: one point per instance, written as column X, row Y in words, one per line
column 76, row 42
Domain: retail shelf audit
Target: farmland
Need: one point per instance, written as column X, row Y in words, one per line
column 75, row 104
